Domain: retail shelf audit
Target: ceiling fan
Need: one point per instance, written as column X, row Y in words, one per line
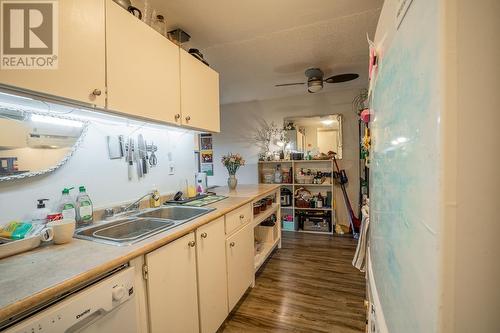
column 315, row 79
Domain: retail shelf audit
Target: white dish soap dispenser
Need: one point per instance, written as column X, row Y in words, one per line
column 40, row 214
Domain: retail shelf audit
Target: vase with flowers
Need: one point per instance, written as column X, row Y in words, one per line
column 232, row 162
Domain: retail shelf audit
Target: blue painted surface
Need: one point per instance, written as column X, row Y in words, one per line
column 404, row 215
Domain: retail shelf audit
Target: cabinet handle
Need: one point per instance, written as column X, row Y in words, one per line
column 97, row 92
column 232, row 244
column 188, row 118
column 177, row 116
column 192, row 243
column 242, row 217
column 204, row 235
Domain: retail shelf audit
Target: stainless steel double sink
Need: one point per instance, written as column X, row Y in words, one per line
column 140, row 225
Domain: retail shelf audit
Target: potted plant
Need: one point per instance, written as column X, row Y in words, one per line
column 232, row 162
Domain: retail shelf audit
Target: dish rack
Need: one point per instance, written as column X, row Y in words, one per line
column 9, row 247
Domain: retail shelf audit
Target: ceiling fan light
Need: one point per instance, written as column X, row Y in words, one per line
column 314, row 86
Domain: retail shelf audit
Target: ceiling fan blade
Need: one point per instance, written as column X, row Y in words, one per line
column 342, row 78
column 289, row 84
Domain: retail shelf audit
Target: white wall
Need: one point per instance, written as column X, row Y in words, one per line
column 240, row 121
column 106, row 180
column 475, row 275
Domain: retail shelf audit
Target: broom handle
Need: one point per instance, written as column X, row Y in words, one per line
column 344, row 192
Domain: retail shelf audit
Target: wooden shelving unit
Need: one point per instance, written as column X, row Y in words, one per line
column 269, row 237
column 322, row 165
column 263, row 254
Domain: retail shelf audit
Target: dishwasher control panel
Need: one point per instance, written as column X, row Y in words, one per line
column 84, row 308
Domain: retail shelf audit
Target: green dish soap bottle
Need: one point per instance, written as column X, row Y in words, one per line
column 67, row 205
column 85, row 209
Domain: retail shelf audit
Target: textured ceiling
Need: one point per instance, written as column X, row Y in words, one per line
column 257, row 44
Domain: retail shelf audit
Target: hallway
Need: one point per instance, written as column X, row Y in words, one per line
column 307, row 286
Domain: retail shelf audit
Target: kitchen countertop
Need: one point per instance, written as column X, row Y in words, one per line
column 37, row 276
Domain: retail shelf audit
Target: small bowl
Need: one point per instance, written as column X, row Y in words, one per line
column 256, row 208
column 63, row 230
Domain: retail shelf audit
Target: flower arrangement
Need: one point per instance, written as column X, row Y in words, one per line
column 269, row 137
column 232, row 162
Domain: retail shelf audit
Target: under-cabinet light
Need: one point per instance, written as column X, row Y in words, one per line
column 55, row 121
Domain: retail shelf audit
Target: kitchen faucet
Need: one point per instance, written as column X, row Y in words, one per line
column 153, row 194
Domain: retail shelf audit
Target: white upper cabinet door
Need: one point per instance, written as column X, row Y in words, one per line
column 240, row 264
column 80, row 73
column 142, row 68
column 212, row 279
column 199, row 94
column 171, row 287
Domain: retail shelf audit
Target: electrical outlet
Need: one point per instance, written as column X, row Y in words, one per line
column 171, row 168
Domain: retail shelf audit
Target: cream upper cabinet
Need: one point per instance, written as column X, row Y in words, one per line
column 80, row 74
column 142, row 68
column 240, row 264
column 199, row 94
column 212, row 279
column 171, row 285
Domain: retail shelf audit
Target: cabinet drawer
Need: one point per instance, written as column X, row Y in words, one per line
column 238, row 218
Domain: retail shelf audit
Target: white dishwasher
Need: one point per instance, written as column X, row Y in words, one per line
column 108, row 305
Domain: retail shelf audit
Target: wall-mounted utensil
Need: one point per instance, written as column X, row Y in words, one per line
column 137, row 161
column 153, row 160
column 114, row 147
column 142, row 153
column 130, row 157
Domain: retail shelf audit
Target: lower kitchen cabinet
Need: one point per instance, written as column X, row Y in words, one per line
column 172, row 287
column 212, row 279
column 240, row 264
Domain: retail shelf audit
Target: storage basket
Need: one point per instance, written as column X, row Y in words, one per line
column 288, row 225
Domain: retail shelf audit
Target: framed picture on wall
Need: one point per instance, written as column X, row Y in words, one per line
column 206, row 142
column 208, row 169
column 207, row 156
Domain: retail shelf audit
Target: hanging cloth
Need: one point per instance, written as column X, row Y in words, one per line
column 359, row 260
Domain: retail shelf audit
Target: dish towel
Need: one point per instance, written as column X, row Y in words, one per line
column 359, row 260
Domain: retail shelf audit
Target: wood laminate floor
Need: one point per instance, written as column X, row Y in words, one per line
column 307, row 286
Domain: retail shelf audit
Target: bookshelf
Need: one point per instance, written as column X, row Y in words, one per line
column 325, row 166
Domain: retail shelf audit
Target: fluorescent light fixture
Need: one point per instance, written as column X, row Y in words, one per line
column 16, row 96
column 36, row 118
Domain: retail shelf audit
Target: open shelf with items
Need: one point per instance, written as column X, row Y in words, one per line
column 267, row 227
column 262, row 216
column 263, row 253
column 289, row 213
